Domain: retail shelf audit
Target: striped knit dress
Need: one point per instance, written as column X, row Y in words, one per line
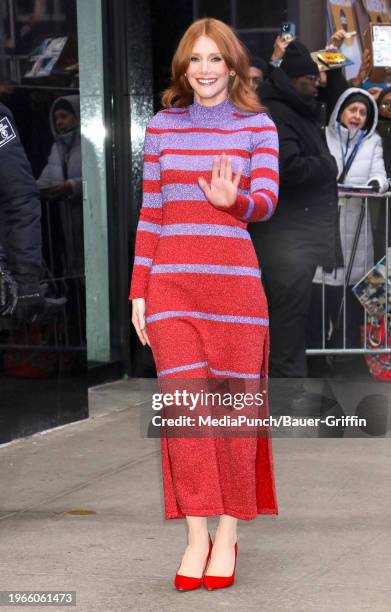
column 206, row 311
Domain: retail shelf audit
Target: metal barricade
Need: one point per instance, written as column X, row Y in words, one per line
column 371, row 231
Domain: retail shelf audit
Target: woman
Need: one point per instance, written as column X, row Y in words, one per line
column 384, row 126
column 211, row 166
column 356, row 147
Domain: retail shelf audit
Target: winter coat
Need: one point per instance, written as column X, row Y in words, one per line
column 367, row 165
column 304, row 227
column 64, row 161
column 20, row 207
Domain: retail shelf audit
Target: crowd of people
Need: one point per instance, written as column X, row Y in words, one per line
column 331, row 132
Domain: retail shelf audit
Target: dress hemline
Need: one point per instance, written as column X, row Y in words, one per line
column 238, row 515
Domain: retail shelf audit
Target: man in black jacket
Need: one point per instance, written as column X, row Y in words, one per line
column 20, row 228
column 303, row 233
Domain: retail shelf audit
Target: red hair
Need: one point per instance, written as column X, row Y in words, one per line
column 180, row 93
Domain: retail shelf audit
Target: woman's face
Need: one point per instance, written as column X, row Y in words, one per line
column 354, row 115
column 207, row 73
column 385, row 107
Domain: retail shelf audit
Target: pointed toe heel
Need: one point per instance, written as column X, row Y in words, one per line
column 189, row 583
column 221, row 582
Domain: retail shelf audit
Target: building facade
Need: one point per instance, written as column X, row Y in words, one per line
column 110, row 60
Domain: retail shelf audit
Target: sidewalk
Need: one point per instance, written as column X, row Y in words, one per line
column 329, row 548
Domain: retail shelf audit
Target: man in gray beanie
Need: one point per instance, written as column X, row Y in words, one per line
column 303, row 232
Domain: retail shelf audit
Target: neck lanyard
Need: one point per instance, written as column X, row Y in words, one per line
column 346, row 163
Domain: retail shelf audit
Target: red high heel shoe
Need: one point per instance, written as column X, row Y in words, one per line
column 221, row 582
column 188, row 583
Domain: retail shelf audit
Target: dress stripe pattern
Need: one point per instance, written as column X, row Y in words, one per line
column 206, row 311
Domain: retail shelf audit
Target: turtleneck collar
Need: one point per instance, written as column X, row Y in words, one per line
column 199, row 113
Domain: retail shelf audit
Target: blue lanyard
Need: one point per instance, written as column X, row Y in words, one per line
column 346, row 163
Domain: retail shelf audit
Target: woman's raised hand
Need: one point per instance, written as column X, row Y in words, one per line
column 222, row 191
column 138, row 320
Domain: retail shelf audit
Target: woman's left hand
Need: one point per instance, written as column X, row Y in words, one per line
column 223, row 190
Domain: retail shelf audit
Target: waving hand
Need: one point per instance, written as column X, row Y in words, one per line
column 223, row 189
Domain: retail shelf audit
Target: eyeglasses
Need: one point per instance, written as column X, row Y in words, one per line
column 256, row 80
column 386, row 104
column 312, row 77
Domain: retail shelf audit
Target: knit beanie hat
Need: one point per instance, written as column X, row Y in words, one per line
column 363, row 99
column 258, row 62
column 297, row 61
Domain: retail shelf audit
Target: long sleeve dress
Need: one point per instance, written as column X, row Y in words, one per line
column 206, row 311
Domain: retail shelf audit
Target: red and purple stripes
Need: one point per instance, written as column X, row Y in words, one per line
column 180, row 146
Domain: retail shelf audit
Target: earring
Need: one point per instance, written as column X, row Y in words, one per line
column 232, row 73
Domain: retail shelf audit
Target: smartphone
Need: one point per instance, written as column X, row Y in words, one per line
column 288, row 30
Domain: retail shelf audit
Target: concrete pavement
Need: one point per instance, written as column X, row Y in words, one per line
column 328, row 549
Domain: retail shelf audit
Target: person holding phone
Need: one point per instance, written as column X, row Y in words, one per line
column 210, row 168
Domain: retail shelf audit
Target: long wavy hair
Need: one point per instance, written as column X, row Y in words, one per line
column 180, row 93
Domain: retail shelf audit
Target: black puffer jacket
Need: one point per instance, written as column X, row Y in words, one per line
column 305, row 224
column 20, row 207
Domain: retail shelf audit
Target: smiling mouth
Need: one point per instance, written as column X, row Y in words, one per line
column 206, row 81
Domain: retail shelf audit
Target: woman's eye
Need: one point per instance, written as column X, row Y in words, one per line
column 194, row 59
column 216, row 59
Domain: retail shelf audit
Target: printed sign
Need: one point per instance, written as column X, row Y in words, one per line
column 381, row 45
column 6, row 131
column 374, row 289
column 377, row 10
column 46, row 57
column 342, row 17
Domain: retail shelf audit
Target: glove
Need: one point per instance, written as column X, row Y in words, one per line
column 375, row 184
column 8, row 291
column 33, row 306
column 30, row 304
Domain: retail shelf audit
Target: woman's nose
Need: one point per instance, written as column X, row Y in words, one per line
column 204, row 66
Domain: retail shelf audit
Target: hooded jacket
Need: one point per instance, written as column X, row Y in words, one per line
column 304, row 227
column 20, row 208
column 367, row 165
column 64, row 163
